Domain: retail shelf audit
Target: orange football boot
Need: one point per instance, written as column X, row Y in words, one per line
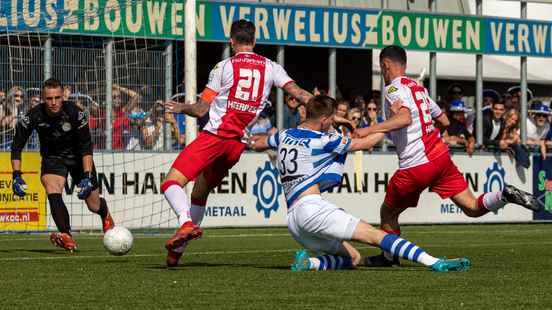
column 188, row 231
column 173, row 257
column 107, row 222
column 63, row 240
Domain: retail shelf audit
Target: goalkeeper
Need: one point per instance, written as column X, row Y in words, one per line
column 66, row 148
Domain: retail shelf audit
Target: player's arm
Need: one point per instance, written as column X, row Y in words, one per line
column 84, row 140
column 196, row 109
column 399, row 120
column 263, row 143
column 23, row 130
column 84, row 147
column 297, row 92
column 366, row 143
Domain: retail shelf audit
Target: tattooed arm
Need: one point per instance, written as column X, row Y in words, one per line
column 297, row 92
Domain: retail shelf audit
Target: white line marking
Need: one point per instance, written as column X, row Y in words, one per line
column 150, row 236
column 76, row 256
column 94, row 235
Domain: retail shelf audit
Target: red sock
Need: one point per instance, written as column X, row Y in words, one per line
column 393, row 231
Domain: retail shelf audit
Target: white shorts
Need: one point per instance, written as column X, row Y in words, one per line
column 319, row 225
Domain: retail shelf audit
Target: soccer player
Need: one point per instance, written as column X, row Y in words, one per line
column 234, row 96
column 65, row 147
column 310, row 161
column 424, row 160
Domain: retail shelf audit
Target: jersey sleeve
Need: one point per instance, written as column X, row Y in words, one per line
column 393, row 93
column 336, row 143
column 273, row 140
column 280, row 76
column 83, row 133
column 23, row 129
column 215, row 77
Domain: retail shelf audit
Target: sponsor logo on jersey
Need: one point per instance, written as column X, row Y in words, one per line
column 294, row 141
column 234, row 105
column 66, row 126
column 392, row 89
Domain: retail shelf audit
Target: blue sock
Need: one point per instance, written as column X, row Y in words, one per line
column 331, row 262
column 406, row 249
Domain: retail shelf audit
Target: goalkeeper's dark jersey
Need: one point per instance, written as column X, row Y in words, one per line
column 64, row 136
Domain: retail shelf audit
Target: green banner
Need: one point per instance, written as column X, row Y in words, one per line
column 324, row 26
column 432, row 32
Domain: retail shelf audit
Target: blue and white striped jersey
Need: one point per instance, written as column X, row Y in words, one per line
column 307, row 157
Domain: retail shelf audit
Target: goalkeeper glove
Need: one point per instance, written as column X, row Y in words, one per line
column 85, row 186
column 18, row 185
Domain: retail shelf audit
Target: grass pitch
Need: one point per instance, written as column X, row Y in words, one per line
column 248, row 269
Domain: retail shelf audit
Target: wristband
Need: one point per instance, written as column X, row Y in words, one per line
column 16, row 173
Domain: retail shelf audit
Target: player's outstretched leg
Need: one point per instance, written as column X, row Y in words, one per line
column 346, row 257
column 515, row 195
column 494, row 201
column 408, row 250
column 402, row 248
column 303, row 262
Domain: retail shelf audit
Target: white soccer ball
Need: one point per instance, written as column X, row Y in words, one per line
column 118, row 240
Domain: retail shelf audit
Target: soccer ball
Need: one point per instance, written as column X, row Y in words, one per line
column 118, row 240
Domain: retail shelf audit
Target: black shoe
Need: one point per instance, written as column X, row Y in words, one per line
column 515, row 195
column 380, row 261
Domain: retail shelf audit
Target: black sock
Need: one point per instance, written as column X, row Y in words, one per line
column 59, row 213
column 102, row 211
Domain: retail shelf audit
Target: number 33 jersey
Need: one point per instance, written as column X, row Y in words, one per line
column 307, row 157
column 420, row 142
column 242, row 84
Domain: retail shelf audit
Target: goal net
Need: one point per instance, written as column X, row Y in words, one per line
column 112, row 65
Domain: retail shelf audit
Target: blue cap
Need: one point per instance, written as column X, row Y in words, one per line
column 539, row 108
column 457, row 105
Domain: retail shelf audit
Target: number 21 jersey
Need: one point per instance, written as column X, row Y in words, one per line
column 420, row 142
column 242, row 84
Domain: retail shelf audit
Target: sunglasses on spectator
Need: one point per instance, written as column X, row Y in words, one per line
column 372, row 109
column 541, row 115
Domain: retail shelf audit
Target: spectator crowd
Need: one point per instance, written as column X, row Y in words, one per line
column 143, row 125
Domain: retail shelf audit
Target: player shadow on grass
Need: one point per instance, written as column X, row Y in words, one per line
column 46, row 251
column 210, row 265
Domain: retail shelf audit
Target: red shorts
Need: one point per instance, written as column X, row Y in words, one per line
column 440, row 175
column 209, row 154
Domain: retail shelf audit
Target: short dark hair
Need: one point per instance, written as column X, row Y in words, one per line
column 395, row 53
column 51, row 83
column 320, row 106
column 243, row 32
column 498, row 102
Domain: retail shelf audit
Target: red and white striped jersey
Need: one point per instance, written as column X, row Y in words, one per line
column 420, row 142
column 242, row 84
